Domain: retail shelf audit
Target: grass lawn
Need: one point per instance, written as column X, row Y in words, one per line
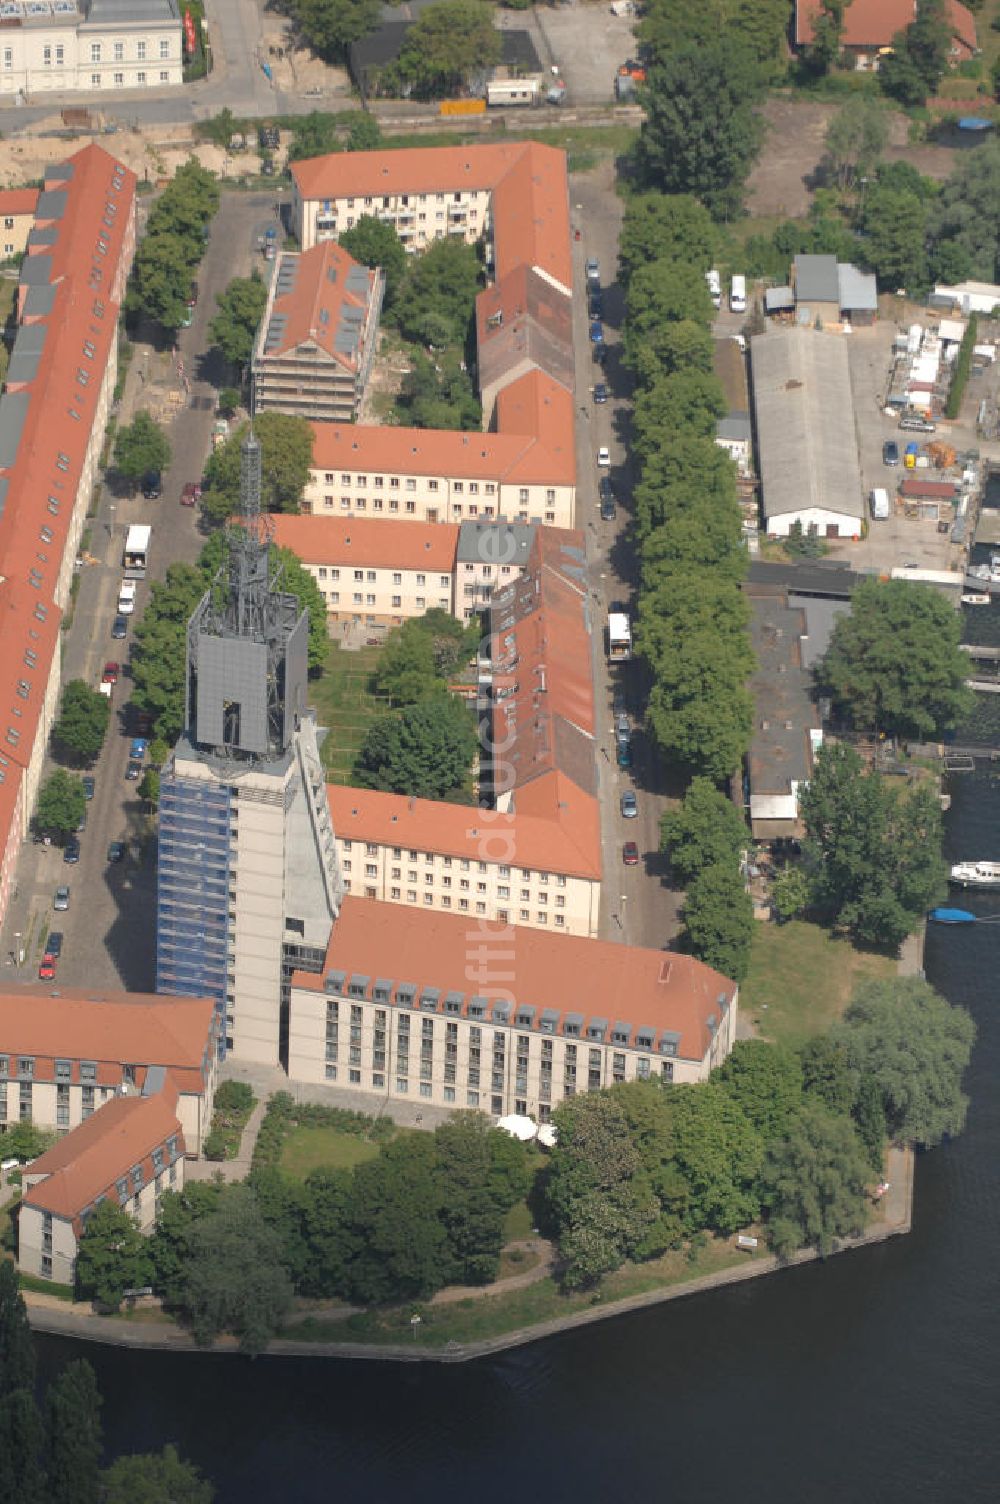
column 801, row 979
column 518, row 1223
column 342, row 701
column 324, row 1148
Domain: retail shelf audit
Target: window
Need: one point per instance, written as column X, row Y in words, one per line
column 140, row 51
column 8, row 57
column 118, row 79
column 164, row 79
column 140, row 77
column 95, row 55
column 164, row 46
column 119, row 52
column 47, row 57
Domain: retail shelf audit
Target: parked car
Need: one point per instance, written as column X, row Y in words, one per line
column 111, row 672
column 60, row 900
column 88, row 786
column 71, row 852
column 134, row 770
column 629, row 807
column 630, row 854
column 152, row 485
column 593, row 270
column 600, row 353
column 608, row 508
column 82, row 825
column 137, row 747
column 890, row 452
column 604, row 455
column 915, row 424
column 623, row 753
column 618, row 702
column 600, row 392
column 47, row 968
column 119, row 627
column 190, row 494
column 116, row 851
column 595, row 303
column 605, row 489
column 596, row 332
column 54, row 944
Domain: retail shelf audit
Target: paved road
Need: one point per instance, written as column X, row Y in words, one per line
column 109, row 929
column 636, row 905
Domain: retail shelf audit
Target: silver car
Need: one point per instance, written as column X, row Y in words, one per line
column 60, row 901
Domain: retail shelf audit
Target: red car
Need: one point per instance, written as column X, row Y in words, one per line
column 47, row 970
column 630, row 854
column 110, row 674
column 190, row 494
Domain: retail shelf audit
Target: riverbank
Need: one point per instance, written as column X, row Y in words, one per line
column 47, row 1314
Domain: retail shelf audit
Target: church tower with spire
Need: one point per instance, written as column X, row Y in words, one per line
column 248, row 882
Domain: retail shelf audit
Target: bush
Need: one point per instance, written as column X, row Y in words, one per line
column 235, row 1096
column 960, row 373
column 215, row 1145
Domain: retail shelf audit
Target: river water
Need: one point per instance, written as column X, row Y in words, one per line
column 873, row 1377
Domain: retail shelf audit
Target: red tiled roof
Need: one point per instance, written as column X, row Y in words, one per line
column 539, row 452
column 311, row 310
column 874, row 23
column 112, row 1030
column 87, row 1162
column 368, row 541
column 916, row 486
column 570, row 845
column 17, row 201
column 645, row 989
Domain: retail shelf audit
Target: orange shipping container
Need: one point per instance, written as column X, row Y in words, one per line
column 463, row 107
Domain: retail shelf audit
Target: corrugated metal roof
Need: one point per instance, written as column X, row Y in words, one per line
column 858, row 289
column 816, row 279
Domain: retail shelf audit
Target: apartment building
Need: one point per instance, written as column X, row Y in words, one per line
column 318, row 336
column 538, row 865
column 53, row 415
column 431, row 1008
column 17, row 215
column 64, row 1054
column 525, row 471
column 514, row 197
column 92, row 46
column 373, row 572
column 129, row 1152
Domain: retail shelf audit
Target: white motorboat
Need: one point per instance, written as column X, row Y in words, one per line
column 976, row 874
column 976, row 598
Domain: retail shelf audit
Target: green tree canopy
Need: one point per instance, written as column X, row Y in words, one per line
column 707, row 828
column 894, row 222
column 681, row 473
column 330, row 26
column 481, row 1172
column 661, row 293
column 874, row 849
column 22, row 1435
column 425, row 750
column 84, row 716
column 161, row 278
column 894, row 662
column 141, row 446
column 439, row 392
column 673, row 227
column 234, row 1278
column 919, row 57
column 718, row 918
column 719, row 1154
column 855, row 140
column 686, row 403
column 449, row 42
column 169, row 1244
column 766, row 1081
column 113, row 1257
column 916, row 1047
column 155, row 1478
column 233, row 330
column 286, row 457
column 17, row 1353
column 964, row 222
column 73, row 1439
column 701, row 135
column 813, row 1182
column 442, row 282
column 396, row 1208
column 60, row 806
column 313, row 135
column 374, row 242
column 160, row 647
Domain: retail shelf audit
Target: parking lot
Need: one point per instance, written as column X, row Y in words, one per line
column 109, row 927
column 588, row 43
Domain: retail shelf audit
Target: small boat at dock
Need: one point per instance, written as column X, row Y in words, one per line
column 976, row 598
column 976, row 874
column 952, row 916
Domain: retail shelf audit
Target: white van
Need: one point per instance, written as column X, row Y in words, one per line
column 126, row 598
column 878, row 501
column 738, row 295
column 714, row 287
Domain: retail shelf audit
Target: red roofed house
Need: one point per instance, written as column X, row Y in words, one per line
column 129, row 1152
column 17, row 215
column 536, row 858
column 423, row 1007
column 53, row 417
column 318, row 335
column 515, row 198
column 870, row 25
column 128, row 1080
